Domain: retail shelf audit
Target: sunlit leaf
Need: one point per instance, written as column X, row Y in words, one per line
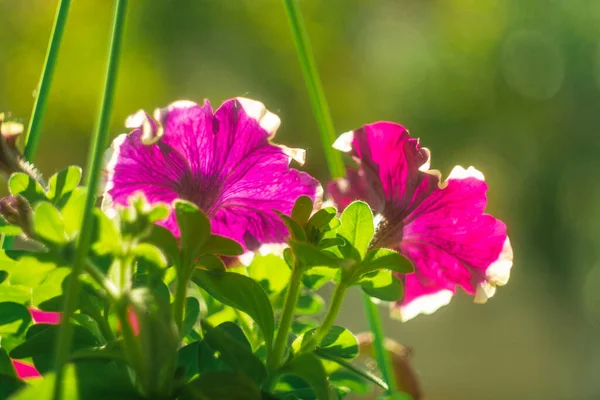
column 63, row 182
column 302, row 210
column 239, row 291
column 229, row 340
column 357, row 226
column 49, row 224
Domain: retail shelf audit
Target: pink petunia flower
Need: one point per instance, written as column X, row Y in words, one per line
column 223, row 161
column 439, row 226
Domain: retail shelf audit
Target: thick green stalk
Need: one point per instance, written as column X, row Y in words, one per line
column 291, row 298
column 315, row 89
column 381, row 354
column 334, row 309
column 180, row 296
column 39, row 106
column 93, row 177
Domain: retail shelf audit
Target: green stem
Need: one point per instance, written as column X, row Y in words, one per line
column 315, row 88
column 93, row 178
column 291, row 298
column 334, row 309
column 179, row 301
column 327, row 132
column 100, row 278
column 381, row 354
column 32, row 137
column 39, row 106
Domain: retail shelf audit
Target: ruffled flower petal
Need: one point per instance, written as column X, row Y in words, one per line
column 223, row 161
column 440, row 226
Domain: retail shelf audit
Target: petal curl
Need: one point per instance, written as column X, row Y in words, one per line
column 453, row 243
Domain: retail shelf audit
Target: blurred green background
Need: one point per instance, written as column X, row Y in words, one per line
column 509, row 86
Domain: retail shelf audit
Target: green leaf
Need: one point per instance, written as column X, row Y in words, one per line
column 26, row 186
column 302, row 210
column 43, row 391
column 16, row 294
column 338, row 343
column 41, row 339
column 9, row 230
column 63, row 182
column 194, row 227
column 51, row 286
column 6, row 366
column 222, row 385
column 296, row 231
column 162, row 238
column 309, row 368
column 72, row 211
column 386, row 259
column 309, row 304
column 192, row 311
column 321, row 222
column 383, row 285
column 225, row 339
column 107, row 238
column 9, row 384
column 211, row 263
column 239, row 291
column 150, row 254
column 30, row 269
column 316, row 277
column 14, row 319
column 309, row 255
column 270, row 271
column 217, row 244
column 357, row 226
column 48, row 224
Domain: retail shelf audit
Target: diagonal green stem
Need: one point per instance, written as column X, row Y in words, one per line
column 93, row 177
column 39, row 106
column 334, row 160
column 315, row 89
column 291, row 299
column 381, row 354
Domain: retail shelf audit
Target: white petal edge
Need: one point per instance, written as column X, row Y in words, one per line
column 298, row 155
column 257, row 110
column 426, row 304
column 459, row 172
column 497, row 274
column 111, row 156
column 344, row 142
column 425, row 167
column 267, row 248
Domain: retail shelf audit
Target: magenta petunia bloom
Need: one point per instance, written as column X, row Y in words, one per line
column 439, row 226
column 223, row 161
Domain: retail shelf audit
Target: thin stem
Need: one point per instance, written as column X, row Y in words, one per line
column 381, row 354
column 39, row 106
column 32, row 137
column 327, row 132
column 334, row 309
column 93, row 177
column 315, row 88
column 291, row 298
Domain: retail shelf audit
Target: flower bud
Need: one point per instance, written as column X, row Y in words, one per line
column 17, row 211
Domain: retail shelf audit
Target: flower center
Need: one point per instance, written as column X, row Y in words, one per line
column 389, row 233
